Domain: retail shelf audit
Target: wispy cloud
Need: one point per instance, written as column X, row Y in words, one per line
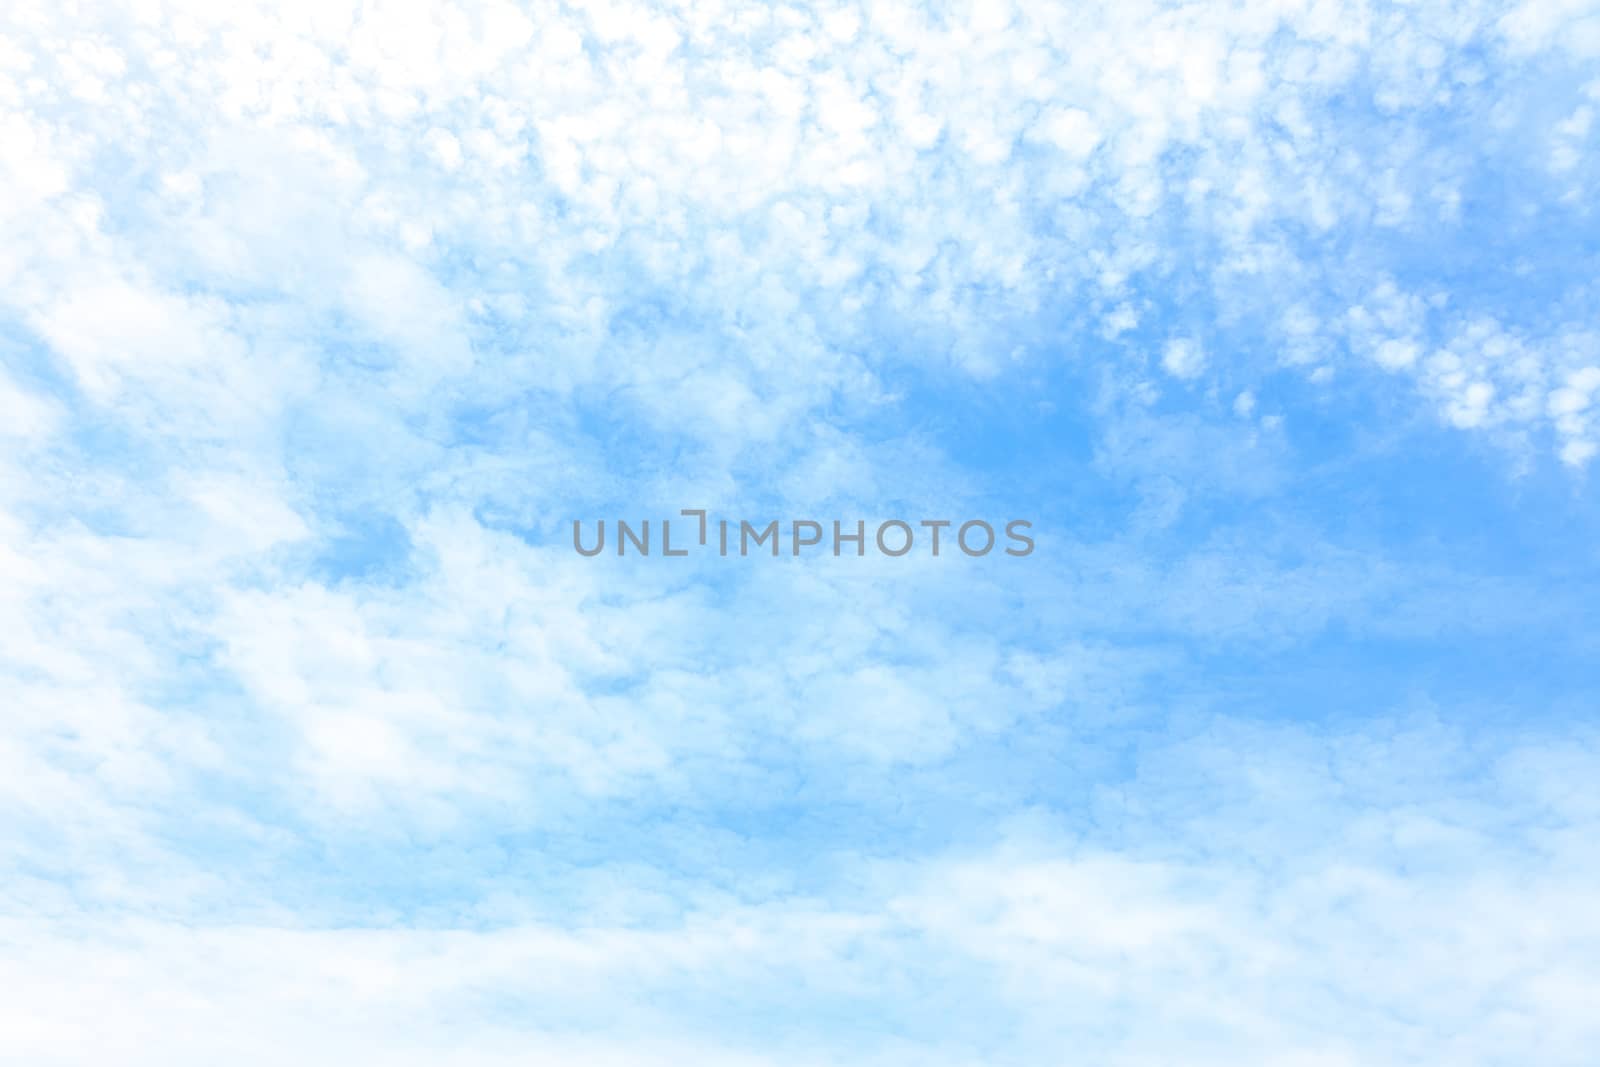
column 320, row 323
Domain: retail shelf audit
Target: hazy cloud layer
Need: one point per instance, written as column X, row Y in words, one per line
column 320, row 323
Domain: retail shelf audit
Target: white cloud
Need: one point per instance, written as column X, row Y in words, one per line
column 272, row 270
column 1182, row 357
column 1071, row 130
column 1274, row 889
column 25, row 414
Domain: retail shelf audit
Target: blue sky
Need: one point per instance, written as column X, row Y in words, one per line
column 321, row 323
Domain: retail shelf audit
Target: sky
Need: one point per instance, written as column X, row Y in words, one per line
column 322, row 323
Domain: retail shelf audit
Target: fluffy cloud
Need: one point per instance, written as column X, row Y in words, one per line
column 320, row 323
